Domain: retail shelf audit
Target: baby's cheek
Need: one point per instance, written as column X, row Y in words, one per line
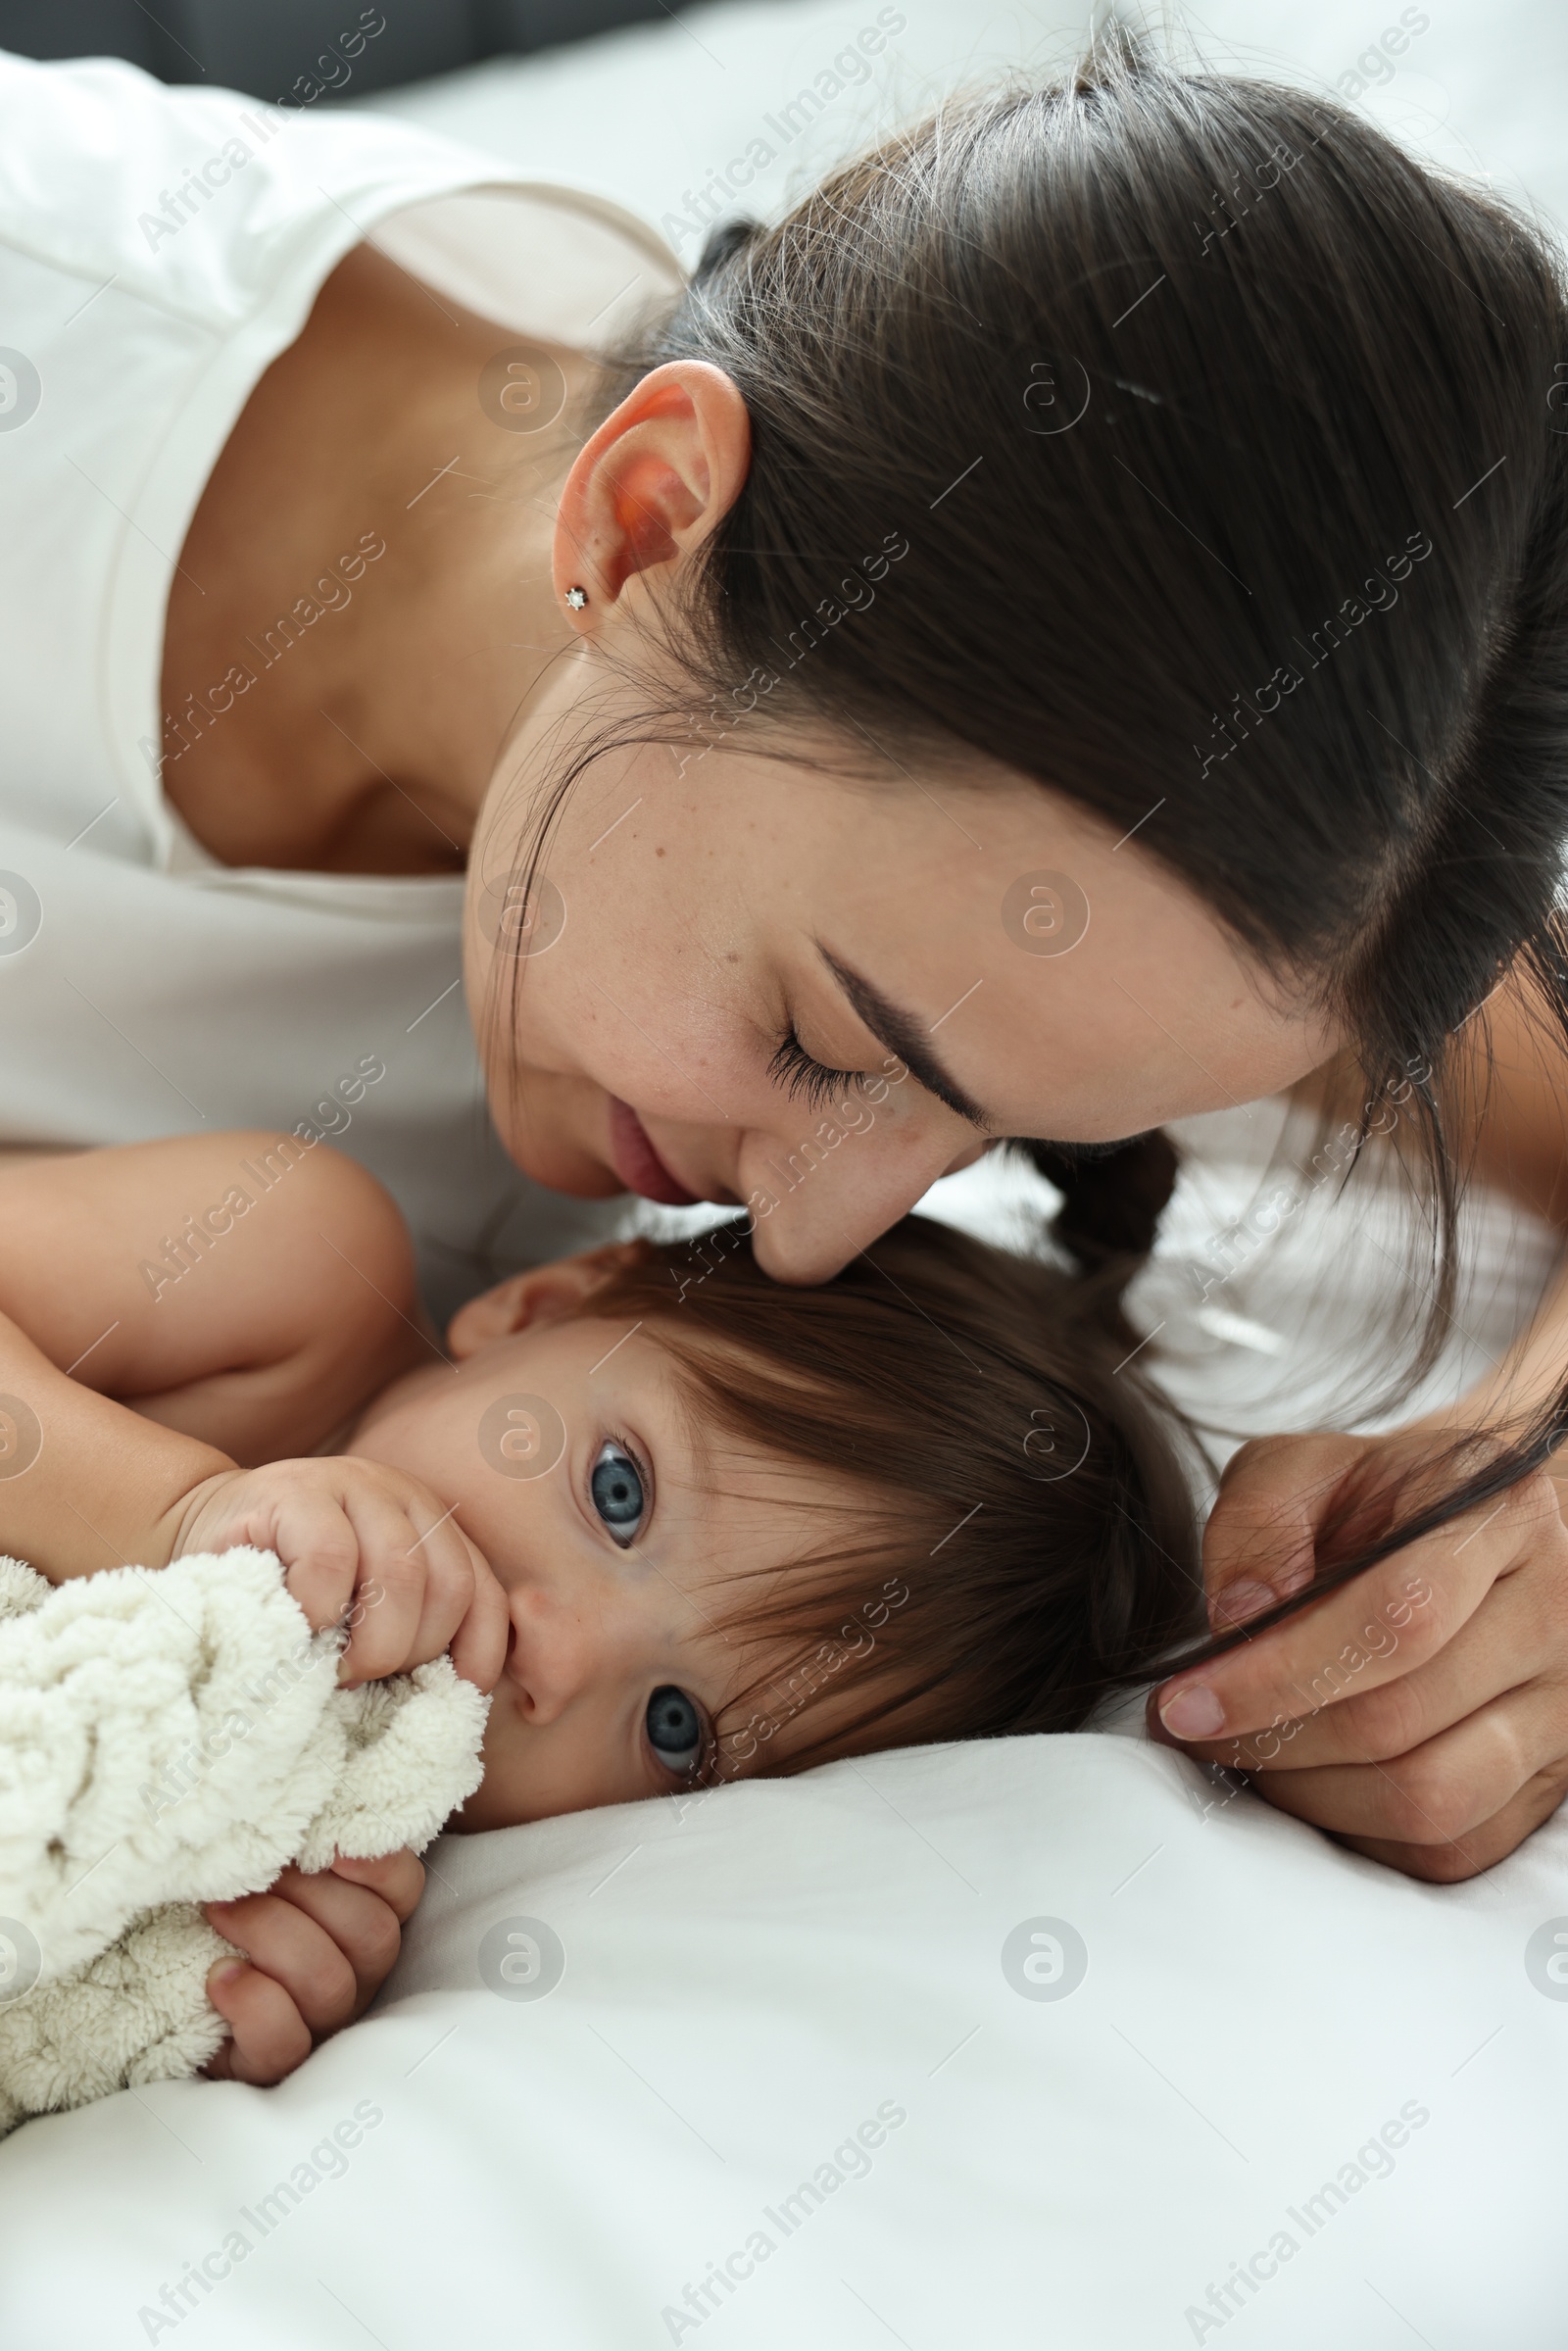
column 410, row 1436
column 498, row 1802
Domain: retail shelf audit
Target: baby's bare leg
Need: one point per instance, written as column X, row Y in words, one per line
column 245, row 1288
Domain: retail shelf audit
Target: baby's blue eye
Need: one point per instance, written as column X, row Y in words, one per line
column 674, row 1729
column 617, row 1490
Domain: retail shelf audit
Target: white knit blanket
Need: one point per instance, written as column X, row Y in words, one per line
column 167, row 1739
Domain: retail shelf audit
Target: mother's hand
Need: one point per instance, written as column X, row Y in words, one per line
column 1420, row 1712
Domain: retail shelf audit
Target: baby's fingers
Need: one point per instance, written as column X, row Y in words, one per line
column 398, row 1878
column 453, row 1569
column 479, row 1644
column 320, row 1554
column 295, row 1951
column 269, row 2036
column 386, row 1619
column 355, row 1915
column 423, row 1570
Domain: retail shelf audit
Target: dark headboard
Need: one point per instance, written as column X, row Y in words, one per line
column 267, row 47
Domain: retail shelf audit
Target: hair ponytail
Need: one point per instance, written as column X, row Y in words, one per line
column 1112, row 1198
column 720, row 245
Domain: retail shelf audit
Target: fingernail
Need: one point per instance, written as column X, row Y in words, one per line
column 1195, row 1712
column 227, row 1972
column 1239, row 1600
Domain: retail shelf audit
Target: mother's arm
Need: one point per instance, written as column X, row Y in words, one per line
column 1420, row 1712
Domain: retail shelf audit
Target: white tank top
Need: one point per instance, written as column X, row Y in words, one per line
column 158, row 250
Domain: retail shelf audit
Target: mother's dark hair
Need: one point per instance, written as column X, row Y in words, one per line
column 1219, row 432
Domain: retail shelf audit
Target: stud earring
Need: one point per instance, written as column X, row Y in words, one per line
column 576, row 598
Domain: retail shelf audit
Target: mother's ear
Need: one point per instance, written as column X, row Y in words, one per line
column 548, row 1294
column 656, row 480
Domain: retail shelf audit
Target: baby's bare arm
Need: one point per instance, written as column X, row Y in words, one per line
column 241, row 1290
column 245, row 1288
column 84, row 1484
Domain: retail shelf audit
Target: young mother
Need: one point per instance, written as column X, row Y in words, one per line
column 1067, row 631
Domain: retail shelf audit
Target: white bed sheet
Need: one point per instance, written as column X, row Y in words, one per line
column 747, row 1982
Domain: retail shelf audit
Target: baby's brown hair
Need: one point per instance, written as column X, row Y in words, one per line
column 1027, row 1545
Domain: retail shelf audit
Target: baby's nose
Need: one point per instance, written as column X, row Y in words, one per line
column 551, row 1655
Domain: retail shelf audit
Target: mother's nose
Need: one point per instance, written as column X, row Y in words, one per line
column 839, row 1205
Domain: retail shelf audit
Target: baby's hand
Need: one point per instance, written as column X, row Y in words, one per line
column 318, row 1949
column 364, row 1543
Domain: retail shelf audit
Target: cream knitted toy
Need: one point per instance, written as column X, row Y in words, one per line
column 166, row 1739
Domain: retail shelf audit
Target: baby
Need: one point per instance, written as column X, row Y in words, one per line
column 684, row 1524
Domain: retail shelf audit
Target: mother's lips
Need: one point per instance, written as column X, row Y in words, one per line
column 637, row 1163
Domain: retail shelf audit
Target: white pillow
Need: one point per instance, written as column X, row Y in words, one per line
column 843, row 2015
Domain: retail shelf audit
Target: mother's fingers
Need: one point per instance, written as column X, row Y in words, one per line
column 1279, row 1493
column 1371, row 1630
column 1480, row 1848
column 1442, row 1792
column 1272, row 1499
column 1518, row 1635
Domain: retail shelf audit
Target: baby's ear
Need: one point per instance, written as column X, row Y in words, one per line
column 549, row 1293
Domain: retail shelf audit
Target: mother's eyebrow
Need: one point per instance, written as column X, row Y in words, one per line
column 904, row 1038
